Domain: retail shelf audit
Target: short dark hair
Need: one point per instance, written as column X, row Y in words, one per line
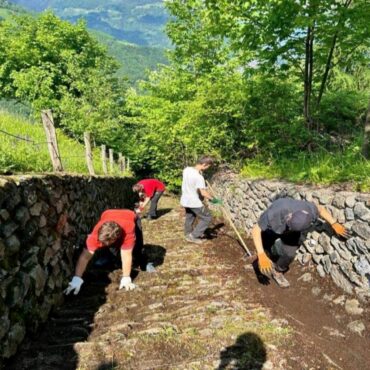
column 205, row 160
column 109, row 231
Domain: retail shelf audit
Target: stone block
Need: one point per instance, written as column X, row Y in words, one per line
column 348, row 212
column 362, row 229
column 12, row 245
column 15, row 337
column 350, row 201
column 22, row 215
column 361, row 211
column 339, row 201
column 8, row 228
column 4, row 214
column 340, row 279
column 35, row 210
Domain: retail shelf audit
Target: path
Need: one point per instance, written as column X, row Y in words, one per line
column 203, row 309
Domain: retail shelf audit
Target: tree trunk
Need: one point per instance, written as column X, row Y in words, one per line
column 366, row 145
column 328, row 65
column 308, row 75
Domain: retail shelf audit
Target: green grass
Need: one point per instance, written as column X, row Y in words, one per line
column 316, row 168
column 24, row 156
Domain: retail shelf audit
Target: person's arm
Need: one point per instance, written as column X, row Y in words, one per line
column 76, row 282
column 126, row 282
column 337, row 227
column 144, row 202
column 264, row 263
column 205, row 194
column 82, row 262
column 126, row 258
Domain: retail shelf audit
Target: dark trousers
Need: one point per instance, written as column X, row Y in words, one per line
column 154, row 203
column 138, row 255
column 285, row 253
column 204, row 219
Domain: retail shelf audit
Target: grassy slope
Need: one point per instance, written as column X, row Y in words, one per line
column 22, row 156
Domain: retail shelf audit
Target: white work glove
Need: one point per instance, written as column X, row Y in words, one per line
column 150, row 267
column 127, row 283
column 74, row 285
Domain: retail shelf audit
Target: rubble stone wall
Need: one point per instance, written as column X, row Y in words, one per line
column 346, row 262
column 43, row 221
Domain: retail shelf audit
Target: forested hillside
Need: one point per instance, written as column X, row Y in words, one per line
column 276, row 89
column 137, row 21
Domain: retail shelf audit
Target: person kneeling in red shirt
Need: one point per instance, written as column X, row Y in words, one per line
column 149, row 190
column 117, row 228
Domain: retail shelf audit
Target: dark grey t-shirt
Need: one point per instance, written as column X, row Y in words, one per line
column 275, row 217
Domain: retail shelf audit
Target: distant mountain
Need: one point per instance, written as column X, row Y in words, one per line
column 135, row 60
column 139, row 22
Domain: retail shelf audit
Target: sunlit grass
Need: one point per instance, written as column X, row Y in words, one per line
column 17, row 155
column 316, row 168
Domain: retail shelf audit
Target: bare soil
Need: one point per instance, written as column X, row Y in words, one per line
column 204, row 308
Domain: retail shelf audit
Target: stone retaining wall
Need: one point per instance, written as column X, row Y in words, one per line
column 43, row 220
column 346, row 262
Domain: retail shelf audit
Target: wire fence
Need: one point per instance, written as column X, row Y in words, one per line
column 26, row 147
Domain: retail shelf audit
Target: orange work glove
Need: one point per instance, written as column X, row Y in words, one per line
column 264, row 263
column 340, row 230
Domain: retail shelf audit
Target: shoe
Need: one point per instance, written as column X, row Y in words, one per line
column 150, row 267
column 280, row 279
column 190, row 238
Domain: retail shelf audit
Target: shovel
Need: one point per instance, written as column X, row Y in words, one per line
column 251, row 258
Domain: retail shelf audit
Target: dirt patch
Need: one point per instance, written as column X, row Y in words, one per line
column 204, row 308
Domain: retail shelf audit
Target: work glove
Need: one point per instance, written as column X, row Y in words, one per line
column 216, row 201
column 150, row 267
column 74, row 285
column 264, row 263
column 127, row 283
column 340, row 230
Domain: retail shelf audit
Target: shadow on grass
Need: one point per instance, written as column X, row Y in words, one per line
column 248, row 352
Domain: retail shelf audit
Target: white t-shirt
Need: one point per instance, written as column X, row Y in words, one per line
column 192, row 180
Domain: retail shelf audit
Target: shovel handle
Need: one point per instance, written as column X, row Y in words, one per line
column 228, row 217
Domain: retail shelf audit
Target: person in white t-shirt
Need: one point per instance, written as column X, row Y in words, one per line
column 193, row 192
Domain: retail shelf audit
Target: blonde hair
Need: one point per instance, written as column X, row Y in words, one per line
column 109, row 231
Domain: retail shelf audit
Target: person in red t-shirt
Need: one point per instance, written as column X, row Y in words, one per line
column 149, row 190
column 116, row 227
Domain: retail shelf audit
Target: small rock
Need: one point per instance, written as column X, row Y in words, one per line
column 4, row 214
column 356, row 327
column 321, row 271
column 268, row 365
column 35, row 210
column 307, row 277
column 13, row 244
column 328, row 297
column 350, row 201
column 352, row 307
column 350, row 216
column 340, row 300
column 362, row 229
column 316, row 291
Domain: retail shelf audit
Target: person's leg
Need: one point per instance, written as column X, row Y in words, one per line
column 287, row 250
column 205, row 219
column 268, row 240
column 154, row 204
column 189, row 220
column 139, row 257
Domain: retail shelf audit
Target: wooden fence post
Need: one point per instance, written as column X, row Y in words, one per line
column 111, row 160
column 88, row 152
column 104, row 159
column 48, row 122
column 123, row 164
column 120, row 163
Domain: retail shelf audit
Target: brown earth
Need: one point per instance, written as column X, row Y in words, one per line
column 204, row 308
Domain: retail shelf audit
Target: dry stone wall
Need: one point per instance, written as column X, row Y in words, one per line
column 43, row 221
column 346, row 262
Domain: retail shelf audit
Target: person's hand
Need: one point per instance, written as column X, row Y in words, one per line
column 340, row 230
column 74, row 285
column 216, row 201
column 127, row 283
column 264, row 263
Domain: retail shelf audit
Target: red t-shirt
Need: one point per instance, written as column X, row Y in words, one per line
column 151, row 186
column 124, row 218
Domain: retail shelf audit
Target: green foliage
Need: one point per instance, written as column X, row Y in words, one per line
column 135, row 61
column 321, row 167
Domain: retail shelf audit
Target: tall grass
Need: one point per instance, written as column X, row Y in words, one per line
column 18, row 155
column 320, row 167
